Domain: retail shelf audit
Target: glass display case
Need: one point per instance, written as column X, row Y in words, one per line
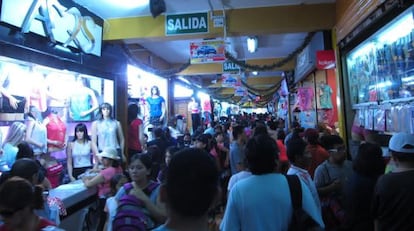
column 382, row 67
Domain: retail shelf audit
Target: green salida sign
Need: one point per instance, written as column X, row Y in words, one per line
column 177, row 24
column 231, row 67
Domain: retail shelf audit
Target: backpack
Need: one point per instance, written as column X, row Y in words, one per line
column 301, row 220
column 130, row 215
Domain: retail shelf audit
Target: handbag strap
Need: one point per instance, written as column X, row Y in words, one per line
column 295, row 189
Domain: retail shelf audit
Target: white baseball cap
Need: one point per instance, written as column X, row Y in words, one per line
column 110, row 153
column 402, row 142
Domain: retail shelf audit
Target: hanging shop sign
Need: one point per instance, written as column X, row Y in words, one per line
column 232, row 67
column 306, row 60
column 177, row 24
column 240, row 91
column 230, row 81
column 64, row 24
column 325, row 59
column 207, row 52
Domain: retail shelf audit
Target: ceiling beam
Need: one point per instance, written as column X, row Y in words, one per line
column 252, row 21
column 217, row 68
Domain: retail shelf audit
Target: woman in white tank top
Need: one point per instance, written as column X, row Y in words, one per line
column 80, row 153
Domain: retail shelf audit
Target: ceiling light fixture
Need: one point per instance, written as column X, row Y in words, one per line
column 255, row 72
column 252, row 44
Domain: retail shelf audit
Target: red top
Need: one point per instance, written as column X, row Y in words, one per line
column 56, row 130
column 53, row 174
column 319, row 155
column 133, row 135
column 43, row 223
column 282, row 151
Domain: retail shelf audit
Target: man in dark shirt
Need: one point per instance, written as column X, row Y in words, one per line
column 393, row 200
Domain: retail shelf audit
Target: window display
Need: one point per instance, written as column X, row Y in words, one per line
column 382, row 67
column 48, row 89
column 53, row 94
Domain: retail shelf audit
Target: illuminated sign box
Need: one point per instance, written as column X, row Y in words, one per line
column 63, row 23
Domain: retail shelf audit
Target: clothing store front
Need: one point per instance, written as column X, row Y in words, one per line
column 377, row 57
column 313, row 89
column 54, row 66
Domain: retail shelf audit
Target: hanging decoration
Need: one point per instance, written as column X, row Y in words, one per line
column 272, row 88
column 279, row 64
column 164, row 73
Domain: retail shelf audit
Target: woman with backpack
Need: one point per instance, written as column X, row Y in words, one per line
column 139, row 204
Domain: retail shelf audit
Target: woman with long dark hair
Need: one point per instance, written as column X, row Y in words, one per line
column 80, row 153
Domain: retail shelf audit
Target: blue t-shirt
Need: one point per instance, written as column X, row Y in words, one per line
column 236, row 156
column 155, row 106
column 263, row 203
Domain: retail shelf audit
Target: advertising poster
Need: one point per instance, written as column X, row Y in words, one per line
column 207, row 52
column 240, row 91
column 229, row 80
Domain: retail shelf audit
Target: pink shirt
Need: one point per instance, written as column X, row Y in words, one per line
column 104, row 188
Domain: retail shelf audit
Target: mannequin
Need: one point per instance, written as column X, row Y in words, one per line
column 325, row 92
column 36, row 134
column 56, row 132
column 107, row 132
column 207, row 110
column 156, row 107
column 82, row 101
column 15, row 135
column 194, row 109
column 14, row 98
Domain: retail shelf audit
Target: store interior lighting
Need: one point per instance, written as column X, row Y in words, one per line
column 184, row 80
column 252, row 44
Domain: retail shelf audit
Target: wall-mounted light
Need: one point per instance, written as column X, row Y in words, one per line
column 252, row 44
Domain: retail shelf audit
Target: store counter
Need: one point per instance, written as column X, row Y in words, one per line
column 77, row 199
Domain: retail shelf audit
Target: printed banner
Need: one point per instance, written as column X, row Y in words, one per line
column 207, row 52
column 230, row 80
column 240, row 91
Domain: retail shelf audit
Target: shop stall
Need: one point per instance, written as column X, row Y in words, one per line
column 64, row 72
column 378, row 63
column 313, row 89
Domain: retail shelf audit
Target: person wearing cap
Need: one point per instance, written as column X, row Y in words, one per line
column 393, row 199
column 111, row 166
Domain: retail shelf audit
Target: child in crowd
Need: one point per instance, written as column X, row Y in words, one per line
column 110, row 207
